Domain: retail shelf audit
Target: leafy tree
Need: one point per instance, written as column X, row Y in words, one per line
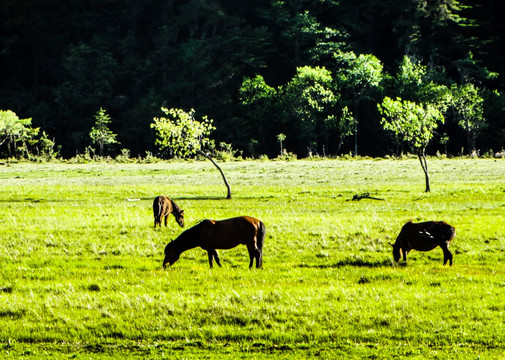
column 182, row 135
column 307, row 102
column 59, row 61
column 258, row 99
column 14, row 130
column 468, row 108
column 413, row 123
column 100, row 133
column 357, row 79
column 415, row 82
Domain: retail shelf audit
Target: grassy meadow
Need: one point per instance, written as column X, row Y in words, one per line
column 81, row 276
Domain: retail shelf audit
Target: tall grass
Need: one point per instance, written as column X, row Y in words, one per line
column 81, row 269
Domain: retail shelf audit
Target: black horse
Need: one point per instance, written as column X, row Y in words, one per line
column 424, row 236
column 225, row 234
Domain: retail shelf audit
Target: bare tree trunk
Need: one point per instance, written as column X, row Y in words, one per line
column 339, row 145
column 422, row 159
column 221, row 171
column 356, row 141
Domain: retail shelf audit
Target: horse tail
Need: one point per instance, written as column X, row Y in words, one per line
column 156, row 207
column 160, row 207
column 261, row 236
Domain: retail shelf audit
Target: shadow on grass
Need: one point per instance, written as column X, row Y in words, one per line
column 182, row 198
column 37, row 200
column 351, row 262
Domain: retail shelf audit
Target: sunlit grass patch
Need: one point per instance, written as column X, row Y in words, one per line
column 81, row 262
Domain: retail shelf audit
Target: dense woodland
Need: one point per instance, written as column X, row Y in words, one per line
column 314, row 71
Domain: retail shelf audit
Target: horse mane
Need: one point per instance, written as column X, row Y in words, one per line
column 188, row 239
column 176, row 207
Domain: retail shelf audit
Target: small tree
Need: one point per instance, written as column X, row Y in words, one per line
column 100, row 133
column 280, row 138
column 182, row 135
column 344, row 125
column 412, row 123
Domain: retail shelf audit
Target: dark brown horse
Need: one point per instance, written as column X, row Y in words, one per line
column 424, row 236
column 225, row 234
column 162, row 207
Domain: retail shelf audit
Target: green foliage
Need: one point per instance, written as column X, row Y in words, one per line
column 307, row 102
column 280, row 139
column 359, row 73
column 130, row 58
column 46, row 148
column 259, row 102
column 432, row 30
column 15, row 132
column 343, row 125
column 413, row 81
column 471, row 70
column 468, row 109
column 100, row 133
column 181, row 134
column 359, row 78
column 256, row 91
column 410, row 122
column 303, row 36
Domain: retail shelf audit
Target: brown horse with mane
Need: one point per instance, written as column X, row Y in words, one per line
column 162, row 207
column 225, row 234
column 424, row 236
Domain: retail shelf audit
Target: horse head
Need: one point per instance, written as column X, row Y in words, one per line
column 397, row 252
column 180, row 218
column 171, row 254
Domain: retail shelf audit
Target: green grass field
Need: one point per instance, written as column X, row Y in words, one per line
column 81, row 277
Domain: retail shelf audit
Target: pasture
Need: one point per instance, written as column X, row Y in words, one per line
column 81, row 275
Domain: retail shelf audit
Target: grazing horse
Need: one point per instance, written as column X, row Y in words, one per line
column 225, row 234
column 424, row 236
column 162, row 207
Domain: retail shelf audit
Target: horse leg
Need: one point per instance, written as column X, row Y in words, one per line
column 447, row 254
column 405, row 252
column 166, row 219
column 259, row 259
column 251, row 256
column 210, row 255
column 218, row 262
column 254, row 253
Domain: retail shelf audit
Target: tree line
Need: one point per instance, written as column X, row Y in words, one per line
column 322, row 77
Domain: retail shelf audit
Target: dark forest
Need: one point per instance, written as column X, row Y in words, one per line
column 258, row 68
